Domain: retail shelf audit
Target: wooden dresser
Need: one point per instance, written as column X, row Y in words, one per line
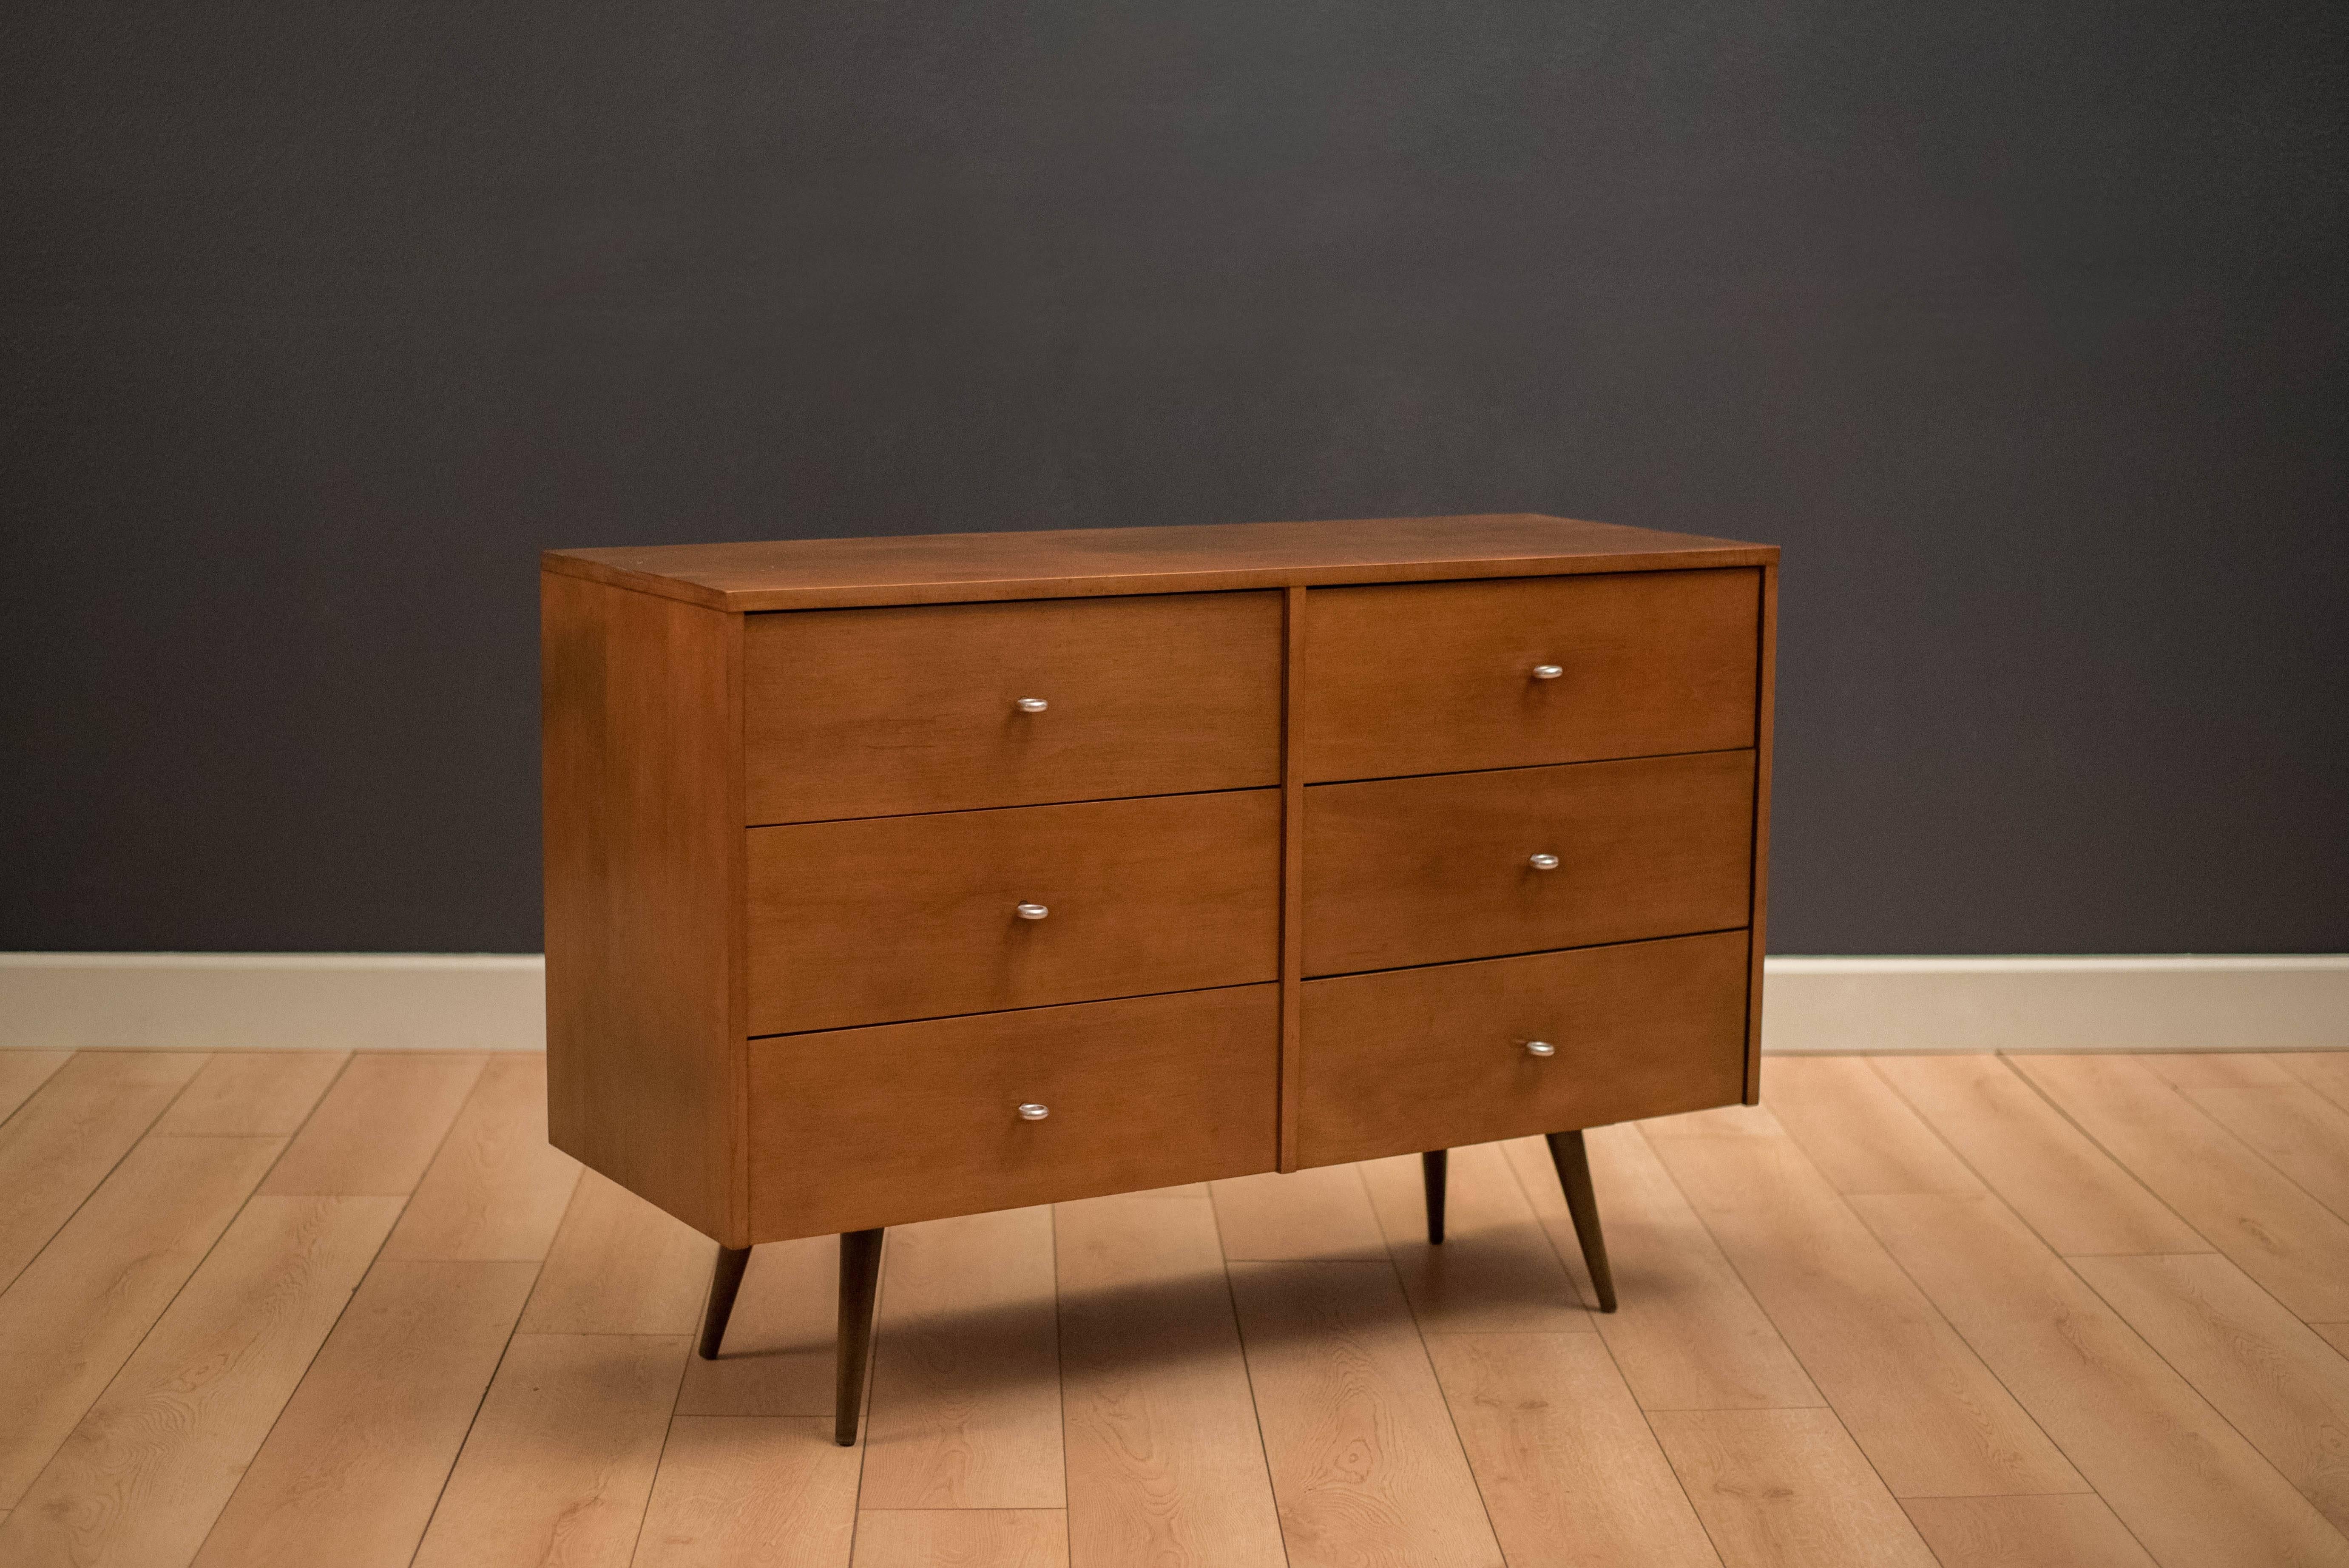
column 891, row 879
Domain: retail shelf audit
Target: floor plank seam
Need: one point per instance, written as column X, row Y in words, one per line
column 320, row 1349
column 1247, row 1369
column 1419, row 1335
column 1865, row 1457
column 472, row 1420
column 2098, row 1144
column 2192, row 1388
column 83, row 1202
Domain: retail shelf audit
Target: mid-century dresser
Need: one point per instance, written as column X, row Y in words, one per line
column 892, row 878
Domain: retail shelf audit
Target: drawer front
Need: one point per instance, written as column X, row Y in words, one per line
column 912, row 1121
column 1429, row 869
column 918, row 917
column 1439, row 677
column 869, row 713
column 1436, row 1059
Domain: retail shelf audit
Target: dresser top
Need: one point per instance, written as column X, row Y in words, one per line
column 941, row 568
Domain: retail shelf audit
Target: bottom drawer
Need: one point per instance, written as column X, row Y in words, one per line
column 1435, row 1057
column 855, row 1128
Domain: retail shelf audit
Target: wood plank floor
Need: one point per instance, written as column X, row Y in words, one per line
column 307, row 1308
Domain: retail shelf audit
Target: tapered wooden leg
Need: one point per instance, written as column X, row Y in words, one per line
column 860, row 1272
column 723, row 1286
column 1573, row 1163
column 1433, row 1165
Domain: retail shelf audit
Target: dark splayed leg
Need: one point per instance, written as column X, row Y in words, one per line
column 860, row 1271
column 723, row 1286
column 1567, row 1153
column 1433, row 1166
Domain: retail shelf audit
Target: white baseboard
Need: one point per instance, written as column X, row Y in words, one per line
column 2248, row 1003
column 380, row 1002
column 274, row 1001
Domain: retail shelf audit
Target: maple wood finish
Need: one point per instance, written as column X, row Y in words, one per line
column 1424, row 871
column 1423, row 679
column 895, row 879
column 873, row 713
column 860, row 1128
column 1423, row 1059
column 162, row 1354
column 874, row 921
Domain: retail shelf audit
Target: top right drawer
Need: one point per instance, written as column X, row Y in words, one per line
column 1444, row 678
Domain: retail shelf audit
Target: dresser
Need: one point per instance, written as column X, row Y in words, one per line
column 893, row 879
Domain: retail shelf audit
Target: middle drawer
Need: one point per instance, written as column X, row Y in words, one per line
column 1400, row 871
column 872, row 921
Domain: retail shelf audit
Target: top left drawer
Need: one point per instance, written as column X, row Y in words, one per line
column 876, row 712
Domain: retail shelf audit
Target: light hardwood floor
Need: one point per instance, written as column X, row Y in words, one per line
column 301, row 1308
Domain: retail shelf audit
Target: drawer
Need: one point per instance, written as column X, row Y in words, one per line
column 866, row 713
column 910, row 1122
column 1436, row 1059
column 1438, row 678
column 1423, row 871
column 916, row 917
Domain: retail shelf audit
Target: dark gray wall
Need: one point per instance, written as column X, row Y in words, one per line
column 2019, row 326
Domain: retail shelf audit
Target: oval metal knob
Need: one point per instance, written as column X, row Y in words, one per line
column 1031, row 705
column 1542, row 862
column 1540, row 1049
column 1032, row 912
column 1548, row 672
column 1031, row 1111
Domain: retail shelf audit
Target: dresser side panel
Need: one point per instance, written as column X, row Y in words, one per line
column 1765, row 721
column 642, row 793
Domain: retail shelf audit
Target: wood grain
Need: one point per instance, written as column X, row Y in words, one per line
column 1921, row 1404
column 1495, row 1271
column 2278, row 1382
column 1437, row 677
column 1435, row 1059
column 1292, row 869
column 80, row 1308
column 963, row 1538
column 560, row 1461
column 2072, row 1193
column 2302, row 1135
column 1786, row 1489
column 807, row 574
column 1165, row 1464
column 1432, row 869
column 763, row 1492
column 1567, row 1468
column 22, row 1072
column 1365, row 1462
column 780, row 1341
column 2074, row 1530
column 69, row 1134
column 643, row 778
column 359, row 1453
column 147, row 1471
column 875, row 713
column 1686, row 1332
column 907, row 1121
column 2275, row 1232
column 965, row 1402
column 263, row 1094
column 2327, row 1072
column 1766, row 720
column 618, row 1265
column 497, row 1188
column 2186, row 1483
column 1320, row 1213
column 1858, row 1132
column 913, row 917
column 376, row 1130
